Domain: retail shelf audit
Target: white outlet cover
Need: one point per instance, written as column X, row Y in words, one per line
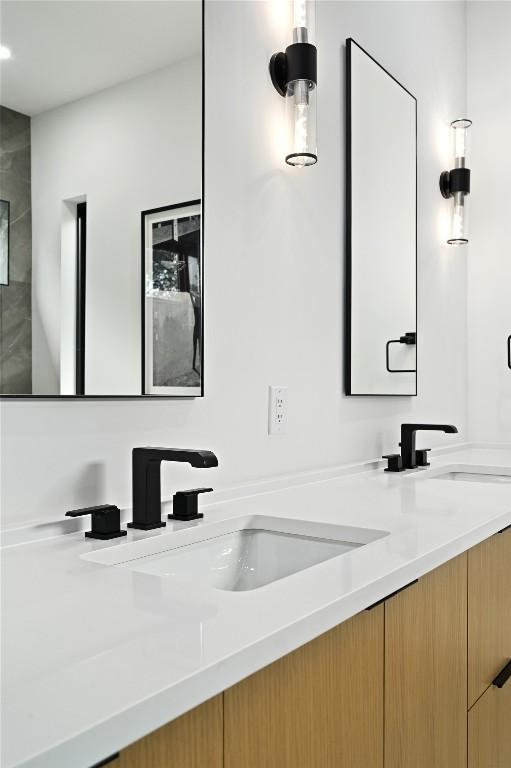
column 277, row 410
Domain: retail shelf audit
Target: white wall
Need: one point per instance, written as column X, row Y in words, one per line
column 126, row 149
column 489, row 106
column 274, row 264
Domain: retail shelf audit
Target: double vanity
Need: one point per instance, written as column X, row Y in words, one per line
column 350, row 617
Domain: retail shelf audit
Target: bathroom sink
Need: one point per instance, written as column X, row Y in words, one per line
column 239, row 554
column 474, row 477
column 467, row 473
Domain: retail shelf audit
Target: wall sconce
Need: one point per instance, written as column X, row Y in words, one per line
column 293, row 74
column 456, row 183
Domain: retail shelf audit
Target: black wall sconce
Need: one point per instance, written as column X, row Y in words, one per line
column 294, row 76
column 456, row 183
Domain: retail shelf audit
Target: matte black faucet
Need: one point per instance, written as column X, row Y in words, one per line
column 147, row 482
column 410, row 455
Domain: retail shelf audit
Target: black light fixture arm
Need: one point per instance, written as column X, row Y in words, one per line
column 298, row 62
column 457, row 180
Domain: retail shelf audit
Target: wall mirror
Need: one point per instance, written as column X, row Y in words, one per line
column 381, row 230
column 101, row 150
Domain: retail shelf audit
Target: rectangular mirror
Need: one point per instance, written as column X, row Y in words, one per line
column 381, row 230
column 101, row 149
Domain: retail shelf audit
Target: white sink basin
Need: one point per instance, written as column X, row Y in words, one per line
column 244, row 559
column 239, row 554
column 467, row 473
column 474, row 477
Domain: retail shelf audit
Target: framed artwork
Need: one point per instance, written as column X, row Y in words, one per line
column 4, row 242
column 172, row 324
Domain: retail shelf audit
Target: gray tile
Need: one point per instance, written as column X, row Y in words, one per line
column 15, row 299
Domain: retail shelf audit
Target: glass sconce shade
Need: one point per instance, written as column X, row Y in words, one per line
column 301, row 123
column 304, row 21
column 459, row 227
column 456, row 183
column 293, row 74
column 460, row 131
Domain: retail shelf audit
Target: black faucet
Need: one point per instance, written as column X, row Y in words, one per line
column 147, row 485
column 410, row 455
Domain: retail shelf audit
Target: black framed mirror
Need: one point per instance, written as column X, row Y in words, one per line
column 96, row 137
column 381, row 230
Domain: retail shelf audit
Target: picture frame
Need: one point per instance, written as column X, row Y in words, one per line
column 5, row 213
column 172, row 300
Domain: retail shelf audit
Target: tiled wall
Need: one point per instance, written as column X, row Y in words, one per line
column 15, row 298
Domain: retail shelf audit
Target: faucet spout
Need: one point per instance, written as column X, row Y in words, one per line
column 195, row 457
column 408, row 432
column 147, row 480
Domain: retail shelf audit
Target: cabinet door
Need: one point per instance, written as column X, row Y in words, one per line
column 426, row 671
column 319, row 707
column 489, row 729
column 489, row 612
column 194, row 740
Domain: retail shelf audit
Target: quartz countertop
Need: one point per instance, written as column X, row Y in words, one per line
column 94, row 657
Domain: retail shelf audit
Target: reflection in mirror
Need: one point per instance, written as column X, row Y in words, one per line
column 172, row 306
column 381, row 287
column 100, row 124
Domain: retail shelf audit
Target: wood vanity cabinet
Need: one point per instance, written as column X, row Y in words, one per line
column 489, row 652
column 320, row 706
column 489, row 612
column 194, row 740
column 489, row 729
column 386, row 689
column 426, row 671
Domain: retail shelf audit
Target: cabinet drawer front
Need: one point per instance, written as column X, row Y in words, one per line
column 319, row 707
column 489, row 729
column 426, row 671
column 194, row 740
column 489, row 612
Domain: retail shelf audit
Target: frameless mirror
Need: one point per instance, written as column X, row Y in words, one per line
column 381, row 230
column 101, row 153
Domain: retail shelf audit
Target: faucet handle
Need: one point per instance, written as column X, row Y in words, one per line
column 185, row 504
column 395, row 462
column 105, row 518
column 421, row 455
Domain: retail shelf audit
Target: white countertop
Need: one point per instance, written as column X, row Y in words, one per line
column 95, row 657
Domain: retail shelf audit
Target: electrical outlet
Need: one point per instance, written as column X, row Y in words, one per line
column 277, row 411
